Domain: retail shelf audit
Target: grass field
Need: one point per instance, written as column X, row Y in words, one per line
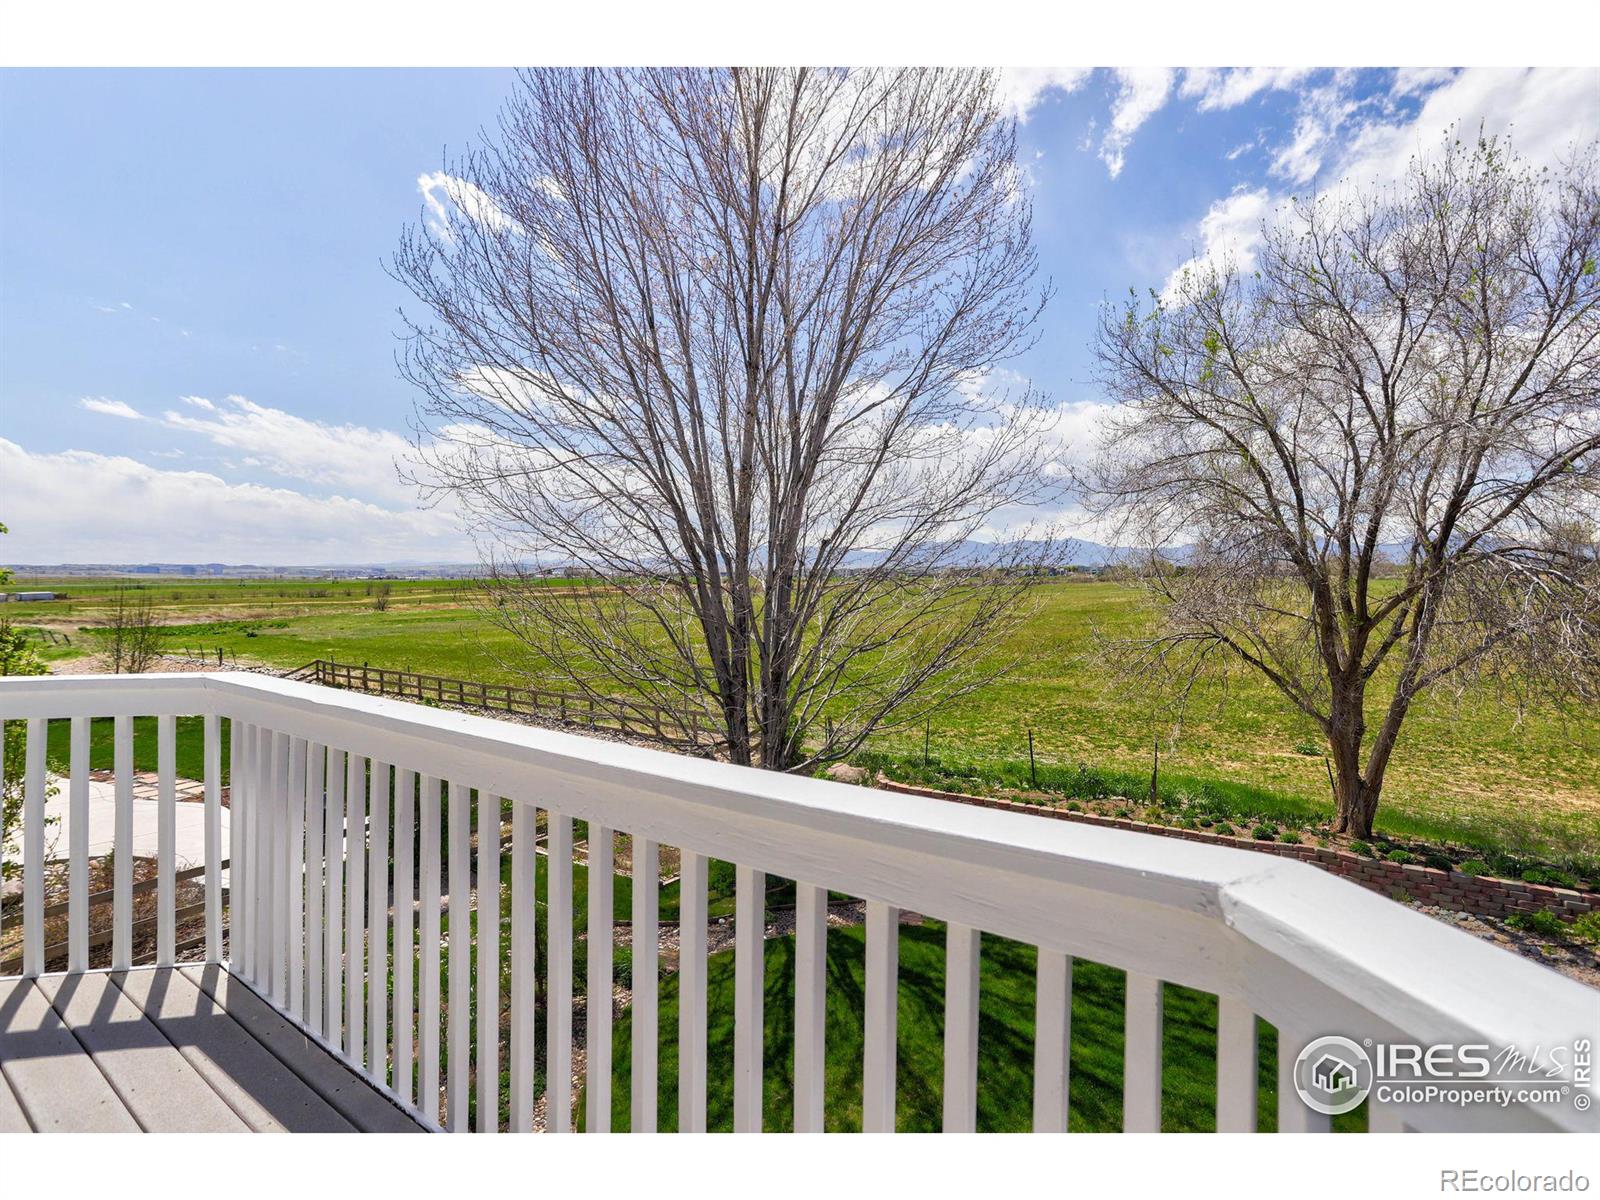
column 1469, row 768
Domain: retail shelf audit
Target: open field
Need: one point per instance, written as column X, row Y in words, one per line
column 1469, row 768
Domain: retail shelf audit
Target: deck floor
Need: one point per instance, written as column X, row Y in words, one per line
column 170, row 1050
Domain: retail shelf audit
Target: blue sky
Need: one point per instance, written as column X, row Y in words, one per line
column 197, row 334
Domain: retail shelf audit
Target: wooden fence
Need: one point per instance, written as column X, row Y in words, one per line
column 636, row 718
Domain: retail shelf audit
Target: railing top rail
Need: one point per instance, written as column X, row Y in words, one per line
column 1255, row 926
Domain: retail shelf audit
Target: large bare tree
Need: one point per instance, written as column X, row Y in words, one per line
column 1380, row 449
column 728, row 343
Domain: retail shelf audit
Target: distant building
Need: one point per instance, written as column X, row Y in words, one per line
column 30, row 597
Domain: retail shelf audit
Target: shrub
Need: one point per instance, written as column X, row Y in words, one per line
column 1264, row 833
column 1362, row 848
column 1074, row 806
column 1550, row 876
column 1474, row 866
column 1401, row 856
column 1124, row 814
column 1586, row 928
column 1436, row 860
column 1291, row 837
column 1307, row 747
column 1224, row 829
column 1544, row 923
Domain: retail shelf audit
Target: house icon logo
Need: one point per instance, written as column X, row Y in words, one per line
column 1333, row 1075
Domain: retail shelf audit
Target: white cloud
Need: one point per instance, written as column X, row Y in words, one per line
column 1230, row 231
column 1341, row 141
column 1546, row 111
column 1222, row 88
column 1141, row 93
column 1021, row 88
column 1323, row 113
column 1413, row 81
column 111, row 408
column 78, row 506
column 447, row 195
column 352, row 459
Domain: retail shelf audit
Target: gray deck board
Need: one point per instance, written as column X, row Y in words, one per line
column 171, row 1050
column 159, row 1087
column 267, row 1096
column 51, row 1075
column 12, row 1118
column 353, row 1096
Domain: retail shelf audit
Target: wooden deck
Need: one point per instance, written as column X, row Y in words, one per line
column 174, row 1050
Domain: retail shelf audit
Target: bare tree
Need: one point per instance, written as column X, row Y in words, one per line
column 134, row 632
column 1381, row 449
column 727, row 343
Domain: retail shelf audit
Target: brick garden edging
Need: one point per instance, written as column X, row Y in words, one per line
column 1481, row 895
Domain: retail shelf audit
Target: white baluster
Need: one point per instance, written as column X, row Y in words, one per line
column 378, row 929
column 1141, row 1071
column 1236, row 1066
column 211, row 725
column 749, row 950
column 166, row 840
column 355, row 919
column 810, row 1006
column 692, row 992
column 316, row 871
column 882, row 1001
column 558, row 1019
column 646, row 968
column 295, row 876
column 597, row 1093
column 78, row 849
column 1293, row 1114
column 962, row 946
column 487, row 1062
column 122, row 843
column 428, row 939
column 33, row 788
column 333, row 933
column 1052, row 1045
column 279, row 807
column 405, row 920
column 524, row 931
column 458, row 1019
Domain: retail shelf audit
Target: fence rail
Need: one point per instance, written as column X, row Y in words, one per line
column 633, row 717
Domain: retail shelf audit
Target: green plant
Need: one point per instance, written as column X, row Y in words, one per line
column 1585, row 928
column 1474, row 866
column 1124, row 813
column 1264, row 833
column 1074, row 806
column 1291, row 837
column 1307, row 747
column 1362, row 848
column 1436, row 860
column 1543, row 922
column 1224, row 829
column 1401, row 856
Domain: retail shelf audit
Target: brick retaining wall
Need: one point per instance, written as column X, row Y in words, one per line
column 1481, row 895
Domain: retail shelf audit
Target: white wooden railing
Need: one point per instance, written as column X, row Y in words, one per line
column 321, row 902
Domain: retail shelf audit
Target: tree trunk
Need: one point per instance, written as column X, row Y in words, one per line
column 1355, row 797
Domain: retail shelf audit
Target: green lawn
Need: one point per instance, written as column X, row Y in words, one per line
column 1005, row 1043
